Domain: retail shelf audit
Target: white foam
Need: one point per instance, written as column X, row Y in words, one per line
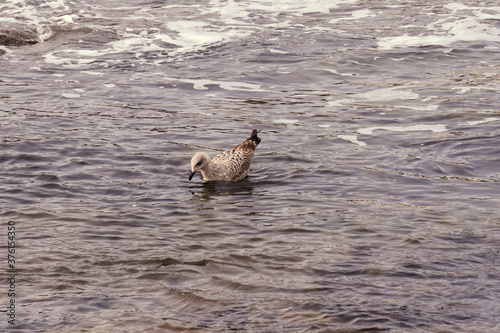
column 456, row 6
column 389, row 43
column 463, row 90
column 5, row 49
column 56, row 4
column 44, row 33
column 387, row 94
column 201, row 84
column 68, row 18
column 353, row 139
column 236, row 9
column 486, row 120
column 32, row 16
column 465, row 23
column 355, row 15
column 277, row 51
column 193, row 35
column 411, row 128
column 341, row 102
column 70, row 95
column 94, row 73
column 378, row 95
column 71, row 58
column 241, row 86
column 333, row 71
column 187, row 29
column 421, row 107
column 285, row 121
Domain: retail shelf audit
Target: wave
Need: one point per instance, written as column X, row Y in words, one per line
column 21, row 34
column 27, row 22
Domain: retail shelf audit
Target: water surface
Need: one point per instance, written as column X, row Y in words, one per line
column 373, row 199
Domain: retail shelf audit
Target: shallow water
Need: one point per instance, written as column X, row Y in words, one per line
column 373, row 199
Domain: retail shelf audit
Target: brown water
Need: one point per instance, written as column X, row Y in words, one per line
column 372, row 204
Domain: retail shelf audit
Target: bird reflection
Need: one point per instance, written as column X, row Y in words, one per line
column 208, row 190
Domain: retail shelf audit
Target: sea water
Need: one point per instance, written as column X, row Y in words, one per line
column 373, row 201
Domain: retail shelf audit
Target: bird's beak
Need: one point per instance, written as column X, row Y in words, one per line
column 192, row 174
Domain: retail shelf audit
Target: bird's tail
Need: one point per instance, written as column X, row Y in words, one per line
column 254, row 137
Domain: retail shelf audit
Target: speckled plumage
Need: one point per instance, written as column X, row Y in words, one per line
column 231, row 165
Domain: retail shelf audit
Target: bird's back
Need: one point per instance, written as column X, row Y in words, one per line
column 234, row 164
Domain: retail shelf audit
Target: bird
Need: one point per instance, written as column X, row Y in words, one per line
column 231, row 165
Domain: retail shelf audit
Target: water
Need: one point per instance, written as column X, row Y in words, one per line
column 373, row 199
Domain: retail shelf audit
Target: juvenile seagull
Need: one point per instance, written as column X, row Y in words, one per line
column 231, row 165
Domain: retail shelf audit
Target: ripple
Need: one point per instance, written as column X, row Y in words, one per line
column 398, row 234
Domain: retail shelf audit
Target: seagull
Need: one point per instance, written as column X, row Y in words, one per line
column 230, row 166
